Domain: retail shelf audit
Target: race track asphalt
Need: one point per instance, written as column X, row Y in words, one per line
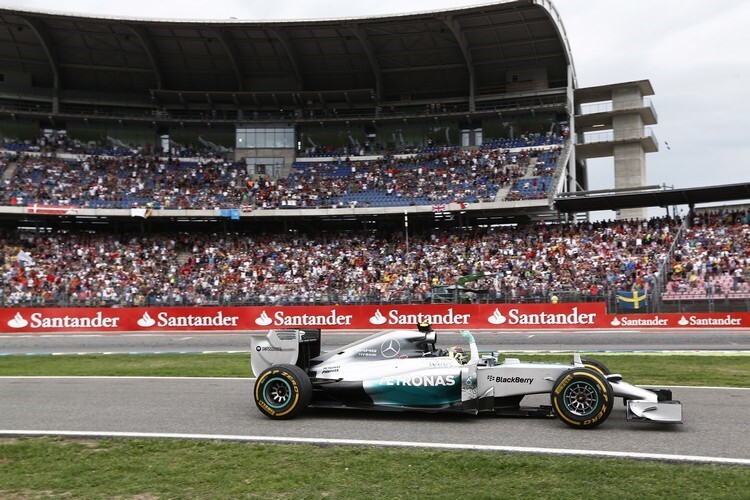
column 716, row 420
column 715, row 428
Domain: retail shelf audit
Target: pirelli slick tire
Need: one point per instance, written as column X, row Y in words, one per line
column 582, row 398
column 597, row 366
column 283, row 391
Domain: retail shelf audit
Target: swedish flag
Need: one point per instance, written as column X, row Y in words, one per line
column 632, row 300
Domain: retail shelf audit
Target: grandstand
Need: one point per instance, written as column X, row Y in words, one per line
column 139, row 142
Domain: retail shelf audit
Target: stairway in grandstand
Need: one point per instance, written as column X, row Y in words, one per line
column 183, row 256
column 503, row 192
column 10, row 169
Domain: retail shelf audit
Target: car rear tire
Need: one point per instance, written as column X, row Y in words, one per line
column 582, row 398
column 282, row 391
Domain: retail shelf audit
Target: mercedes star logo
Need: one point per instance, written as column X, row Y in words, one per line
column 390, row 348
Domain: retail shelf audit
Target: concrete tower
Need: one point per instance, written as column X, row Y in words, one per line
column 611, row 121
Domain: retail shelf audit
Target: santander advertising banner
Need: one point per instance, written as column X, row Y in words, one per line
column 371, row 317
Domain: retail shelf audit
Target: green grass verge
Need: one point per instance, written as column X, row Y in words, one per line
column 128, row 365
column 645, row 369
column 699, row 369
column 151, row 469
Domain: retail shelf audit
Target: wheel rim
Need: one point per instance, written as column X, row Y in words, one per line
column 277, row 393
column 581, row 398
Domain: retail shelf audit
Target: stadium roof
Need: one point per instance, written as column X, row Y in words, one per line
column 462, row 52
column 611, row 200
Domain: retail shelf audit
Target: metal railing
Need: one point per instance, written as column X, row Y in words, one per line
column 621, row 135
column 713, row 303
column 728, row 301
column 608, row 106
column 560, row 169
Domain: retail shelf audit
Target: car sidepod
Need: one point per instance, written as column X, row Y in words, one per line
column 419, row 388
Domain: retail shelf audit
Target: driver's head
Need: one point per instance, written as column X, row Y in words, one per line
column 424, row 327
column 457, row 353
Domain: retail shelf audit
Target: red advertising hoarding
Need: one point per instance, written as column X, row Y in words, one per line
column 371, row 317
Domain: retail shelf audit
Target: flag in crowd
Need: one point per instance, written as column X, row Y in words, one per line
column 632, row 300
column 25, row 258
column 232, row 213
column 141, row 212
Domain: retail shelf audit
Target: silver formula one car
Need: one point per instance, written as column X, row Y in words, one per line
column 403, row 370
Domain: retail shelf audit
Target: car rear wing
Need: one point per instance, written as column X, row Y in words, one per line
column 293, row 346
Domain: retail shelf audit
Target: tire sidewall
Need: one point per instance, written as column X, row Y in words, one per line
column 596, row 365
column 575, row 378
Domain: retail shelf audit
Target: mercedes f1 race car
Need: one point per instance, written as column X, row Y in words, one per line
column 403, row 370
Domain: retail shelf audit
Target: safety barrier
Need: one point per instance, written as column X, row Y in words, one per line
column 497, row 317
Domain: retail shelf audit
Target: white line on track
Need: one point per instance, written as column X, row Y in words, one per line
column 116, row 352
column 699, row 387
column 52, row 335
column 600, row 352
column 615, row 352
column 392, row 444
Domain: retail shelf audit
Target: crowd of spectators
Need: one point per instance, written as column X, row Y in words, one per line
column 577, row 261
column 57, row 143
column 713, row 257
column 442, row 176
column 528, row 140
column 127, row 181
column 582, row 261
column 124, row 182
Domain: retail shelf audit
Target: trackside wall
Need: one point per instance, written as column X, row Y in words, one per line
column 336, row 317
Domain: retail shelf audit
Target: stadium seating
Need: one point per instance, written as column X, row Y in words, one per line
column 126, row 178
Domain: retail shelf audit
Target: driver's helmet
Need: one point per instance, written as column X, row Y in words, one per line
column 424, row 327
column 457, row 353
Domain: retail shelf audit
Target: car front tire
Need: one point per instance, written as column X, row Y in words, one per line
column 582, row 398
column 597, row 366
